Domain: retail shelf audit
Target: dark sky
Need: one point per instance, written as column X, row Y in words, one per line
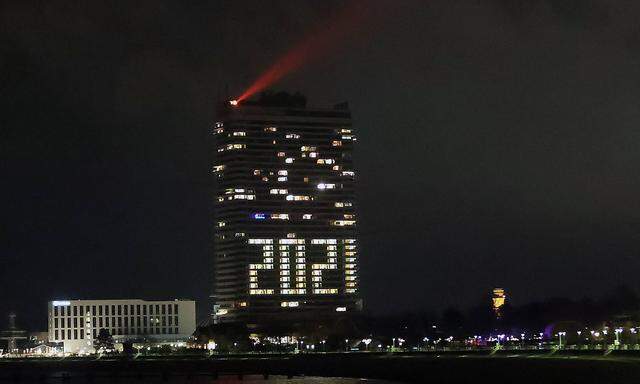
column 498, row 143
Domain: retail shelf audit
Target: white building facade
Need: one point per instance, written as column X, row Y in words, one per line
column 76, row 323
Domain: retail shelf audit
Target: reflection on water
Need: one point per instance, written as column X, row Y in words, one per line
column 63, row 377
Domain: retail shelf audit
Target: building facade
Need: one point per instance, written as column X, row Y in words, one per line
column 76, row 323
column 285, row 241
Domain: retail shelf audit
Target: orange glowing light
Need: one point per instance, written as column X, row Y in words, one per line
column 233, row 102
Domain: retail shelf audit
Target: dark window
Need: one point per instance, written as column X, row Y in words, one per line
column 164, row 321
column 94, row 323
column 87, row 309
column 81, row 310
column 75, row 334
column 170, row 320
column 131, row 309
column 126, row 310
column 164, row 309
column 62, row 311
column 170, row 330
column 100, row 310
column 175, row 308
column 176, row 319
column 106, row 310
column 94, row 333
column 56, row 334
column 55, row 312
column 106, row 322
column 126, row 322
column 144, row 309
column 75, row 310
column 75, row 322
column 82, row 333
column 93, row 311
column 55, row 323
column 138, row 309
column 157, row 309
column 62, row 335
column 176, row 330
column 119, row 321
column 119, row 309
column 68, row 334
column 164, row 331
column 100, row 322
column 170, row 309
column 113, row 310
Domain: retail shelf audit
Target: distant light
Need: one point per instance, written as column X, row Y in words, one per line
column 259, row 216
column 233, row 102
column 341, row 309
column 62, row 303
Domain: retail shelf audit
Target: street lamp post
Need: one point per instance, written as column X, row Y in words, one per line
column 560, row 334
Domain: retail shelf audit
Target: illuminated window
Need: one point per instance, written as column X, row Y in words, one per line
column 239, row 133
column 283, row 172
column 270, row 129
column 307, row 216
column 218, row 168
column 292, row 136
column 282, row 178
column 336, row 143
column 326, row 186
column 313, row 154
column 297, row 197
column 280, row 216
column 236, row 146
column 348, row 173
column 276, row 191
column 281, row 154
column 257, row 172
column 289, row 160
column 342, row 223
column 221, row 223
column 325, row 161
column 306, row 148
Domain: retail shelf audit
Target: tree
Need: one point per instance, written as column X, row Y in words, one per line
column 104, row 342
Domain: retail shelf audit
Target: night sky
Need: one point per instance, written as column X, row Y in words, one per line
column 498, row 143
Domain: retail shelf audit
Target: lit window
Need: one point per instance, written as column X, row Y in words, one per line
column 297, row 197
column 276, row 191
column 313, row 154
column 280, row 216
column 218, row 168
column 283, row 172
column 307, row 216
column 239, row 133
column 306, row 148
column 326, row 186
column 336, row 143
column 259, row 216
column 270, row 129
column 282, row 178
column 281, row 154
column 289, row 160
column 257, row 172
column 342, row 223
column 348, row 173
column 292, row 136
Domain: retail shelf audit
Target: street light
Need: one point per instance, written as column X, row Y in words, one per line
column 560, row 334
column 618, row 331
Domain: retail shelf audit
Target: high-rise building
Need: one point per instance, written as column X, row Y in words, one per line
column 285, row 232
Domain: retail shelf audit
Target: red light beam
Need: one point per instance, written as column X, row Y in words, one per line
column 311, row 47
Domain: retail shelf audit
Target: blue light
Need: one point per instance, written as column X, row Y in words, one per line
column 259, row 216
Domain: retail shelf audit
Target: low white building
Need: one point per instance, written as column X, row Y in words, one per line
column 76, row 323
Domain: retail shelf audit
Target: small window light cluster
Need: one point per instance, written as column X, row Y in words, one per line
column 276, row 191
column 280, row 216
column 289, row 160
column 297, row 198
column 289, row 304
column 323, row 186
column 292, row 136
column 271, row 129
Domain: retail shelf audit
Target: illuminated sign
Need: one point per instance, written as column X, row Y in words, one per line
column 289, row 259
column 61, row 303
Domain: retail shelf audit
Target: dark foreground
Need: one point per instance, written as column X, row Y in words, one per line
column 411, row 368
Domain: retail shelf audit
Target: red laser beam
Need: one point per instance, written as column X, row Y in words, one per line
column 313, row 46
